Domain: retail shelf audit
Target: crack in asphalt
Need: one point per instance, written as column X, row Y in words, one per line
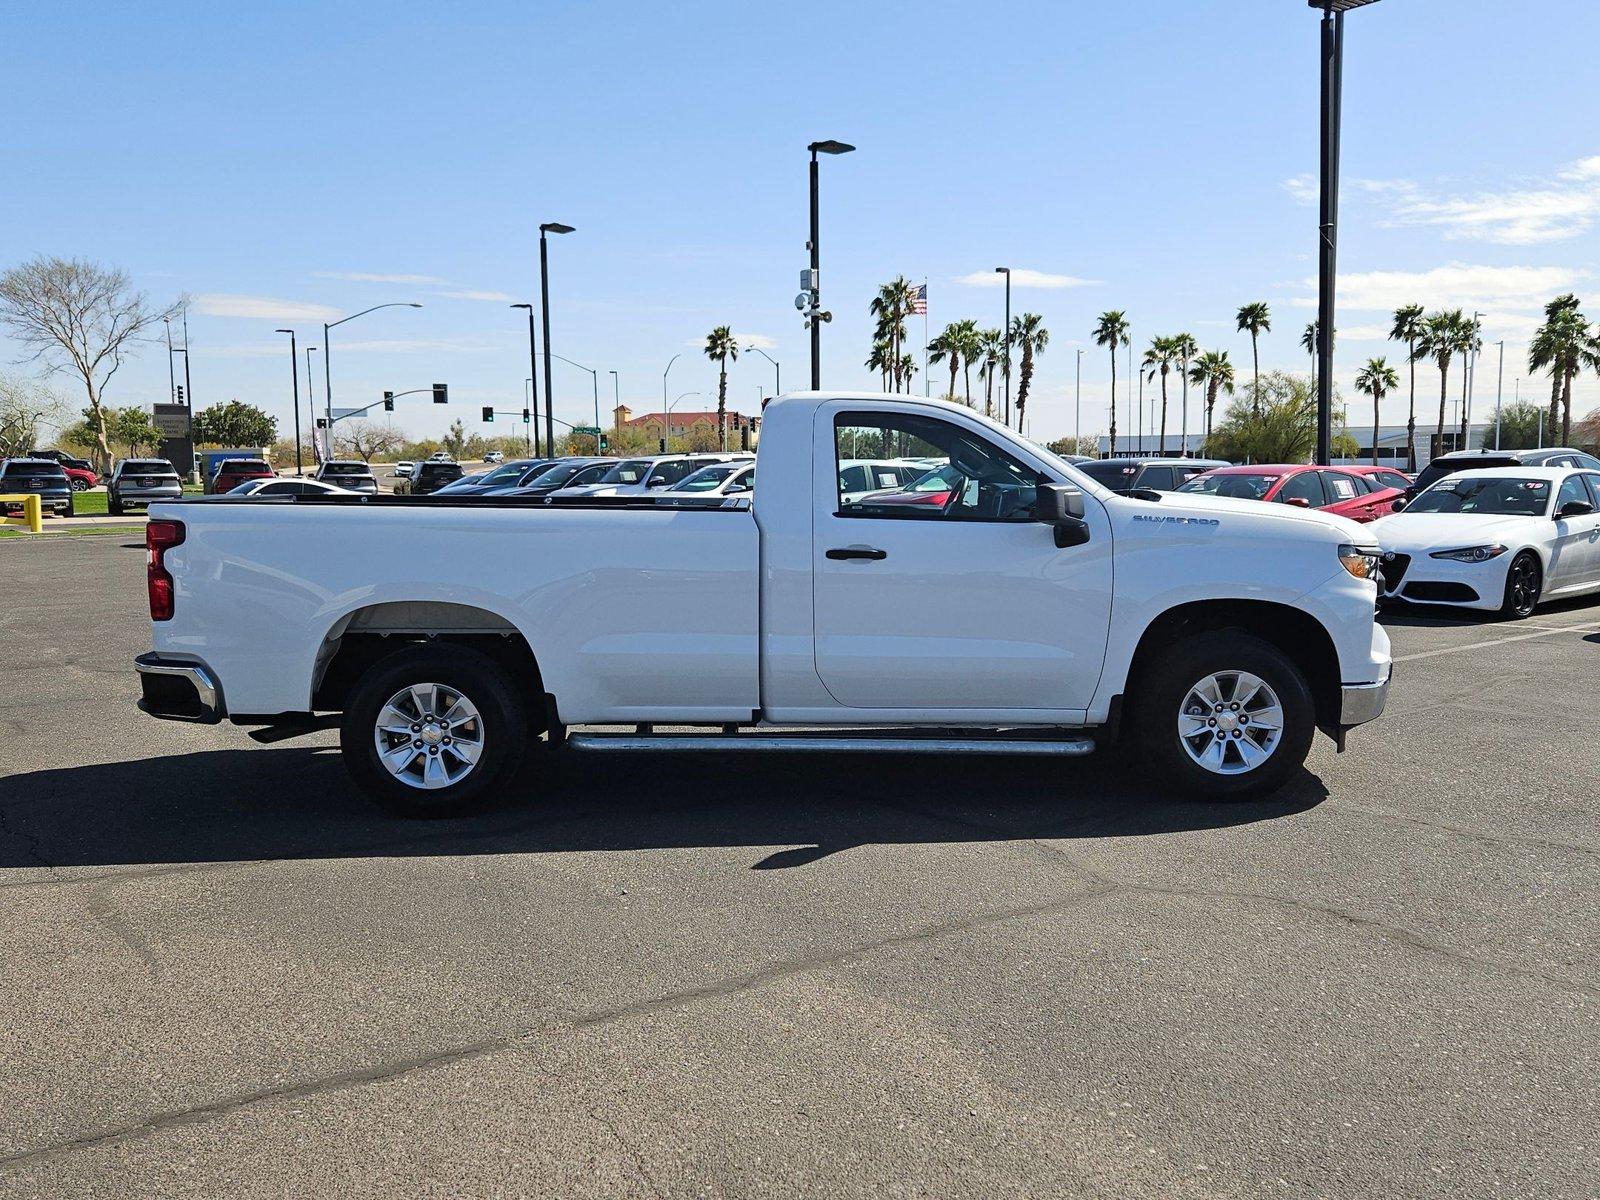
column 1488, row 839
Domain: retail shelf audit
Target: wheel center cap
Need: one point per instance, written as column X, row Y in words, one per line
column 1227, row 721
column 431, row 733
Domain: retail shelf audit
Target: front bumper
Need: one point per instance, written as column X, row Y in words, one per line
column 179, row 689
column 1363, row 702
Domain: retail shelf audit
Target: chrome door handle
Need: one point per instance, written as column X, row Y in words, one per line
column 867, row 552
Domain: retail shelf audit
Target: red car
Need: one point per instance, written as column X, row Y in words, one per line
column 235, row 471
column 1351, row 492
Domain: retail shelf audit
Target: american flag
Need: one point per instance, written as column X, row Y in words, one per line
column 919, row 301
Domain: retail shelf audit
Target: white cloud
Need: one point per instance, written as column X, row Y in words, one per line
column 265, row 308
column 1456, row 285
column 477, row 295
column 373, row 277
column 1302, row 188
column 1023, row 277
column 747, row 341
column 1543, row 210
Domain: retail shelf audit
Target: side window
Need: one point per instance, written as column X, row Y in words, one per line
column 671, row 472
column 853, row 479
column 1159, row 478
column 1572, row 489
column 980, row 481
column 1187, row 473
column 1304, row 486
column 1340, row 486
column 1594, row 490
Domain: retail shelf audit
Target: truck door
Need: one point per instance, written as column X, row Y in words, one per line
column 950, row 597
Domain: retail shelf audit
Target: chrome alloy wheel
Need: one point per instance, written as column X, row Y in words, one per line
column 1230, row 722
column 429, row 736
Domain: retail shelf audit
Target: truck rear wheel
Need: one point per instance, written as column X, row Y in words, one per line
column 1227, row 717
column 430, row 731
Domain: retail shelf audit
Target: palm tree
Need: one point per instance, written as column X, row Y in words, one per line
column 1213, row 370
column 1255, row 319
column 1377, row 378
column 1158, row 361
column 1439, row 339
column 908, row 368
column 1112, row 332
column 1470, row 342
column 992, row 349
column 971, row 340
column 1184, row 347
column 720, row 347
column 1028, row 332
column 947, row 348
column 1565, row 346
column 1308, row 342
column 878, row 361
column 1407, row 328
column 892, row 306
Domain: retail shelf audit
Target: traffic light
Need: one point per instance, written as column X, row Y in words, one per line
column 180, row 393
column 488, row 415
column 744, row 437
column 524, row 416
column 663, row 442
column 388, row 402
column 441, row 394
column 322, row 423
column 605, row 443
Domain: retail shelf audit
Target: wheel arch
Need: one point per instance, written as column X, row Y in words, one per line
column 1298, row 634
column 365, row 635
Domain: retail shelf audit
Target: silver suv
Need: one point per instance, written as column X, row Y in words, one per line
column 141, row 481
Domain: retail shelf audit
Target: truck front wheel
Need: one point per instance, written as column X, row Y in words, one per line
column 1227, row 716
column 430, row 730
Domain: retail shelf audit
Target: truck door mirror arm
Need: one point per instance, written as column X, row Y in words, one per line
column 1061, row 506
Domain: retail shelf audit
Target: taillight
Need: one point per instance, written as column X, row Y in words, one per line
column 159, row 537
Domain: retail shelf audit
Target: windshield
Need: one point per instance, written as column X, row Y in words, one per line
column 147, row 464
column 507, row 474
column 337, row 468
column 40, row 469
column 706, row 479
column 1499, row 497
column 555, row 476
column 1239, row 487
column 1114, row 475
column 1441, row 468
column 632, row 470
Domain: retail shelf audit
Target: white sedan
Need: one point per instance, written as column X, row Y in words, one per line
column 1503, row 539
column 289, row 487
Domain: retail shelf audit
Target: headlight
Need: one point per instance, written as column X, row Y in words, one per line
column 1360, row 561
column 1472, row 554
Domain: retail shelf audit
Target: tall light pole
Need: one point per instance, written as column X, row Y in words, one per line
column 533, row 389
column 311, row 391
column 777, row 371
column 172, row 379
column 1499, row 391
column 815, row 315
column 327, row 375
column 1077, row 407
column 1005, row 338
column 595, row 376
column 294, row 373
column 667, row 414
column 666, row 430
column 1472, row 376
column 616, row 394
column 1328, row 209
column 544, row 299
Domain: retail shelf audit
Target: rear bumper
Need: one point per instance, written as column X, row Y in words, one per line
column 148, row 495
column 179, row 689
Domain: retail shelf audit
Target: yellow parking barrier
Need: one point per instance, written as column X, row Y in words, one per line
column 32, row 513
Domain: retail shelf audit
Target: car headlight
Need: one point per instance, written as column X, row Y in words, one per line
column 1471, row 554
column 1360, row 561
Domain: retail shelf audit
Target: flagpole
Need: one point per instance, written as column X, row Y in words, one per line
column 927, row 388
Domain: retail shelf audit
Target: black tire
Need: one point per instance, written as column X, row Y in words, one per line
column 483, row 682
column 1524, row 582
column 113, row 505
column 1165, row 693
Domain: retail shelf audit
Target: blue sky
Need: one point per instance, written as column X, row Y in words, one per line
column 285, row 163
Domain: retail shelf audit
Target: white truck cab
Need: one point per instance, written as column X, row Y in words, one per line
column 1029, row 611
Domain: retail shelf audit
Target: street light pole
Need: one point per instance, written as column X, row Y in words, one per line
column 616, row 396
column 1499, row 392
column 1077, row 408
column 666, row 430
column 172, row 379
column 327, row 375
column 1328, row 210
column 1005, row 338
column 533, row 391
column 816, row 314
column 294, row 372
column 544, row 299
column 777, row 371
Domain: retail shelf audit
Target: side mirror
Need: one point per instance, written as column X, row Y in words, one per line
column 1056, row 502
column 737, row 489
column 656, row 483
column 1298, row 502
column 1399, row 505
column 1575, row 508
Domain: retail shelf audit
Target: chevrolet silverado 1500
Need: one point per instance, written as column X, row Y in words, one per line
column 1030, row 611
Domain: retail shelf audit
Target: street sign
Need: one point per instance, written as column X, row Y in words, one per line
column 590, row 430
column 340, row 414
column 171, row 420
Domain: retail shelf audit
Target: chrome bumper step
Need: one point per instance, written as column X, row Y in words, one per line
column 827, row 743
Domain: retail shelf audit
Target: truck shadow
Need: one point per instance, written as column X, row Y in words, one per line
column 297, row 803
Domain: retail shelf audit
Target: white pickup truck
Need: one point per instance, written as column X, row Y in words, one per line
column 1027, row 610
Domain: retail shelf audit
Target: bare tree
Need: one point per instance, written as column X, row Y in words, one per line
column 26, row 406
column 77, row 318
column 365, row 439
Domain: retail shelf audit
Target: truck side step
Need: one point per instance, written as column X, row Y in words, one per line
column 829, row 743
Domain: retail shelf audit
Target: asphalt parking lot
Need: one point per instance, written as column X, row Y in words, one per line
column 224, row 973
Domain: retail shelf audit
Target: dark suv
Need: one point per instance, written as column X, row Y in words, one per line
column 1159, row 474
column 42, row 476
column 1472, row 460
column 429, row 477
